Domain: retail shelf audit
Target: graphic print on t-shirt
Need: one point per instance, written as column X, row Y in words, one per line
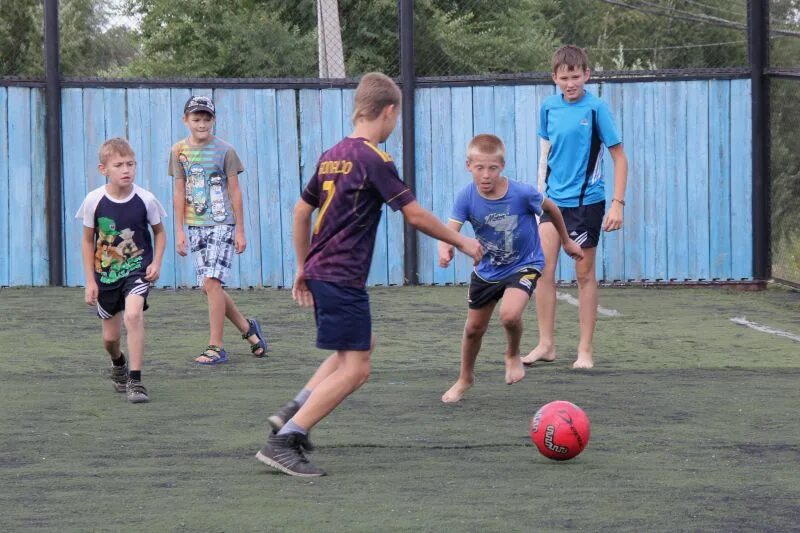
column 501, row 250
column 116, row 253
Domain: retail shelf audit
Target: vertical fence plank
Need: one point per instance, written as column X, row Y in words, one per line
column 652, row 225
column 504, row 108
column 423, row 149
column 462, row 130
column 697, row 179
column 611, row 252
column 677, row 190
column 94, row 127
column 40, row 269
column 154, row 166
column 288, row 155
column 526, row 142
column 659, row 182
column 633, row 124
column 483, row 110
column 19, row 185
column 442, row 172
column 114, row 111
column 741, row 210
column 5, row 199
column 310, row 133
column 74, row 189
column 269, row 188
column 720, row 187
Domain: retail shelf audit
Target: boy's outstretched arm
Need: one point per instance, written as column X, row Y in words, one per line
column 425, row 221
column 571, row 248
column 301, row 234
column 87, row 252
column 446, row 250
column 614, row 217
column 178, row 203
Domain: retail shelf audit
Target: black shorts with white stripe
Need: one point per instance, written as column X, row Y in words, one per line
column 112, row 301
column 583, row 223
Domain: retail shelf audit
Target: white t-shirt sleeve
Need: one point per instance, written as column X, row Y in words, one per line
column 155, row 211
column 89, row 206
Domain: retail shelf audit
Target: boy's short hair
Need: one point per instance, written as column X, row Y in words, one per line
column 487, row 144
column 375, row 91
column 570, row 56
column 115, row 146
column 199, row 104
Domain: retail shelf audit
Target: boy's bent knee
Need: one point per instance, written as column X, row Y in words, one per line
column 511, row 320
column 133, row 317
column 475, row 331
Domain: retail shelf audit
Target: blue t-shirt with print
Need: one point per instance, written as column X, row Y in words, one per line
column 577, row 132
column 505, row 227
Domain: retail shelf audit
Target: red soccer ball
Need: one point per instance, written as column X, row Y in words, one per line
column 560, row 430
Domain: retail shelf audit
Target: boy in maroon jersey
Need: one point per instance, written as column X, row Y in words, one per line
column 351, row 184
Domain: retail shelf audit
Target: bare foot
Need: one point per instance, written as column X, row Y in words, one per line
column 583, row 361
column 515, row 371
column 547, row 355
column 455, row 392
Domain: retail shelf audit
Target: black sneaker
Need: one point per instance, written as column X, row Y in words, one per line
column 287, row 454
column 119, row 377
column 137, row 393
column 283, row 415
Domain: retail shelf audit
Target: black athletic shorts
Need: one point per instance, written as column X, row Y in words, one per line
column 482, row 292
column 583, row 223
column 110, row 302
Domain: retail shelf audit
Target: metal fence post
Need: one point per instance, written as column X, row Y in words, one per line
column 53, row 183
column 408, row 82
column 758, row 44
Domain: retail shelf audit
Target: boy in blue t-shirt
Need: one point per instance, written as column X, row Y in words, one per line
column 574, row 126
column 503, row 214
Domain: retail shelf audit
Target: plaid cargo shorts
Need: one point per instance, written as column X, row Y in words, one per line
column 212, row 251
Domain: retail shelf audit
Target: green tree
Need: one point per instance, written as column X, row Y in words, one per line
column 89, row 47
column 205, row 38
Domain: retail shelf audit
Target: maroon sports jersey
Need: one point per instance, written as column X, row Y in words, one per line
column 352, row 182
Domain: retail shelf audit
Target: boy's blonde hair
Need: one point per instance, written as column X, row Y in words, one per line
column 570, row 56
column 487, row 144
column 375, row 91
column 115, row 146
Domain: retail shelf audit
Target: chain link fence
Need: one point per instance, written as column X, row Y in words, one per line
column 784, row 55
column 346, row 38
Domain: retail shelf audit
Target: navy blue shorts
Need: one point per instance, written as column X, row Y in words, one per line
column 583, row 223
column 342, row 316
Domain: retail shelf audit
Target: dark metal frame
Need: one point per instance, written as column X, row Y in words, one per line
column 53, row 183
column 758, row 47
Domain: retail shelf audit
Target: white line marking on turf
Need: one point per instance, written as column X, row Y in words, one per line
column 563, row 296
column 742, row 321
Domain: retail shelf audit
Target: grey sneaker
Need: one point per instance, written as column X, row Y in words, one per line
column 119, row 377
column 283, row 415
column 287, row 454
column 137, row 393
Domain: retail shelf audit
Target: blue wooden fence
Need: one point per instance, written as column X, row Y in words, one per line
column 688, row 213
